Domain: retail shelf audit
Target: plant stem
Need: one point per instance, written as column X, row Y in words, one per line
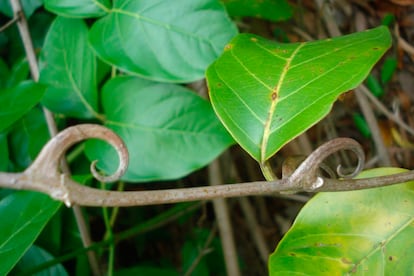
column 268, row 171
column 34, row 70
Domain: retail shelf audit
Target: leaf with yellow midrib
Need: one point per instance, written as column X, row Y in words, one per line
column 267, row 93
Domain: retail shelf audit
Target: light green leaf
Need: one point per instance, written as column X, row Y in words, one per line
column 267, row 93
column 68, row 66
column 367, row 232
column 78, row 8
column 170, row 41
column 169, row 131
column 274, row 10
column 16, row 101
column 22, row 217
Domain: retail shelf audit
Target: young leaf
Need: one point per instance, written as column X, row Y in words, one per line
column 169, row 131
column 78, row 8
column 68, row 66
column 171, row 41
column 22, row 98
column 23, row 215
column 267, row 93
column 367, row 232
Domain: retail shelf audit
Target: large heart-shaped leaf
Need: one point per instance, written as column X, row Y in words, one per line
column 68, row 66
column 22, row 217
column 22, row 98
column 169, row 131
column 171, row 41
column 77, row 8
column 267, row 93
column 366, row 232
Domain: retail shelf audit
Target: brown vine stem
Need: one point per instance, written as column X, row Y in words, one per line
column 22, row 25
column 43, row 176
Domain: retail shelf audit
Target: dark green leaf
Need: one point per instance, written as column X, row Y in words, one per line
column 16, row 101
column 28, row 137
column 78, row 8
column 147, row 271
column 374, row 86
column 169, row 131
column 4, row 73
column 36, row 256
column 388, row 69
column 68, row 66
column 267, row 93
column 163, row 40
column 18, row 73
column 4, row 153
column 22, row 217
column 29, row 6
column 274, row 10
column 367, row 232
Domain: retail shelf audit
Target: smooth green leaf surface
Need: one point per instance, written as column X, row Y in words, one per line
column 274, row 10
column 22, row 98
column 367, row 232
column 77, row 8
column 171, row 41
column 68, row 67
column 169, row 131
column 22, row 217
column 267, row 93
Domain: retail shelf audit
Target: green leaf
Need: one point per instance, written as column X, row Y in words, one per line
column 274, row 10
column 169, row 131
column 22, row 217
column 267, row 93
column 68, row 66
column 16, row 101
column 147, row 271
column 36, row 256
column 27, row 138
column 4, row 153
column 78, row 8
column 163, row 40
column 367, row 232
column 374, row 86
column 4, row 73
column 18, row 73
column 29, row 6
column 388, row 69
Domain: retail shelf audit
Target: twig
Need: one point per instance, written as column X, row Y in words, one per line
column 385, row 111
column 9, row 23
column 254, row 229
column 384, row 159
column 43, row 176
column 224, row 223
column 51, row 124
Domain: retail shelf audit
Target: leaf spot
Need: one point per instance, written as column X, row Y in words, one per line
column 375, row 48
column 253, row 39
column 228, row 47
column 274, row 96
